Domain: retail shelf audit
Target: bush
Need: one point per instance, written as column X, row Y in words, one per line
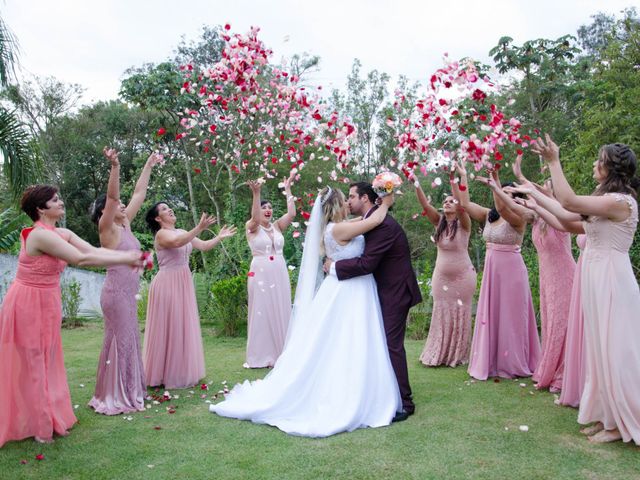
column 70, row 303
column 143, row 301
column 227, row 307
column 419, row 319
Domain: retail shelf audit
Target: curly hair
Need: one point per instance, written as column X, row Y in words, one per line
column 621, row 164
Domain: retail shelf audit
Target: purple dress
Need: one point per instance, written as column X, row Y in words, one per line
column 173, row 354
column 573, row 376
column 505, row 337
column 120, row 386
column 557, row 268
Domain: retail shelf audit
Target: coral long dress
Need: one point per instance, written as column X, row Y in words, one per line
column 120, row 386
column 611, row 305
column 453, row 284
column 269, row 292
column 34, row 393
column 505, row 337
column 173, row 354
column 557, row 269
column 573, row 375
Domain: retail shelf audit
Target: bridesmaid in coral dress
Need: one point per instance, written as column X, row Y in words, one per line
column 610, row 293
column 268, row 286
column 505, row 338
column 453, row 284
column 172, row 353
column 120, row 384
column 35, row 396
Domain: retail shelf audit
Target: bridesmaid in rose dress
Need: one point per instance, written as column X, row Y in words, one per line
column 120, row 385
column 35, row 396
column 453, row 284
column 551, row 212
column 610, row 293
column 268, row 286
column 172, row 353
column 505, row 338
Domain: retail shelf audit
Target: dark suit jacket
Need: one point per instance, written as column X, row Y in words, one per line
column 386, row 255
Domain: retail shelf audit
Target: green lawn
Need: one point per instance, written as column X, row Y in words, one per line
column 460, row 430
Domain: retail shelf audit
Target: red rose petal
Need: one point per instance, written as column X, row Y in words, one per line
column 40, row 457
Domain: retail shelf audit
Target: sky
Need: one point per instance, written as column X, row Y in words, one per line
column 93, row 42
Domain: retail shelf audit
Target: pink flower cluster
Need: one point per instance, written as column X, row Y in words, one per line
column 453, row 120
column 252, row 116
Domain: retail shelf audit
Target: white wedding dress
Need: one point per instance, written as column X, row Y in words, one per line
column 334, row 374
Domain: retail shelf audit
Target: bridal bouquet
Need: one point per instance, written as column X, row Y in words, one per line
column 385, row 183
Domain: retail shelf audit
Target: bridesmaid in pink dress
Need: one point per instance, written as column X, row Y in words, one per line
column 505, row 338
column 610, row 293
column 551, row 212
column 35, row 395
column 172, row 353
column 453, row 284
column 120, row 384
column 268, row 286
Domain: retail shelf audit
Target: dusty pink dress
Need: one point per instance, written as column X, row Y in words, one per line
column 557, row 269
column 34, row 394
column 573, row 375
column 505, row 337
column 172, row 353
column 453, row 284
column 269, row 292
column 120, row 386
column 611, row 305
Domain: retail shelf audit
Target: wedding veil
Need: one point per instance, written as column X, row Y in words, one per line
column 310, row 274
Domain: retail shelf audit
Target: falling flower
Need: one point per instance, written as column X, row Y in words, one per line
column 40, row 456
column 523, row 428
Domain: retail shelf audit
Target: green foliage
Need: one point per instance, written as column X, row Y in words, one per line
column 71, row 300
column 228, row 306
column 143, row 301
column 11, row 223
column 420, row 316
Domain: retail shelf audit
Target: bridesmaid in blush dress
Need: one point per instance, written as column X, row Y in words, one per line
column 268, row 286
column 610, row 293
column 505, row 338
column 453, row 284
column 34, row 393
column 172, row 353
column 120, row 385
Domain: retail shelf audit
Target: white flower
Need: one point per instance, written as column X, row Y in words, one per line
column 523, row 428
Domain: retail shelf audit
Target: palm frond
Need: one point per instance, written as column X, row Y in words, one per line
column 8, row 54
column 21, row 162
column 11, row 222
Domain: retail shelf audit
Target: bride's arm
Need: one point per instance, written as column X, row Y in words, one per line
column 345, row 231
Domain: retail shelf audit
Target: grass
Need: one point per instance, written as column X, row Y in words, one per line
column 460, row 430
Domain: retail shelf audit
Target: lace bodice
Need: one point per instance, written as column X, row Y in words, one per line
column 336, row 252
column 174, row 257
column 41, row 270
column 266, row 242
column 502, row 233
column 605, row 235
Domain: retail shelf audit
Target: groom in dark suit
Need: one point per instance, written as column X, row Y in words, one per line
column 386, row 255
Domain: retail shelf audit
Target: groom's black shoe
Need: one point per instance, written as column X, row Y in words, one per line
column 401, row 416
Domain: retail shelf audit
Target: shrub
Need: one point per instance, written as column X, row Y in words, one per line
column 419, row 319
column 70, row 303
column 227, row 307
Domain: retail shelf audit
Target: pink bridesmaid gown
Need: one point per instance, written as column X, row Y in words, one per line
column 269, row 292
column 453, row 284
column 573, row 376
column 557, row 269
column 611, row 305
column 120, row 385
column 505, row 337
column 34, row 393
column 173, row 354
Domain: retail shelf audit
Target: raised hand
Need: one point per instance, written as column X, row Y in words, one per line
column 111, row 154
column 547, row 149
column 205, row 222
column 387, row 200
column 488, row 181
column 155, row 159
column 529, row 203
column 525, row 189
column 517, row 169
column 254, row 185
column 226, row 232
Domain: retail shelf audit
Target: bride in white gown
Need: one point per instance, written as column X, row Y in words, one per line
column 334, row 374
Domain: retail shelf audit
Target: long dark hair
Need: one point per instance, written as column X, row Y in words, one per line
column 442, row 227
column 621, row 165
column 151, row 215
column 493, row 213
column 97, row 207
